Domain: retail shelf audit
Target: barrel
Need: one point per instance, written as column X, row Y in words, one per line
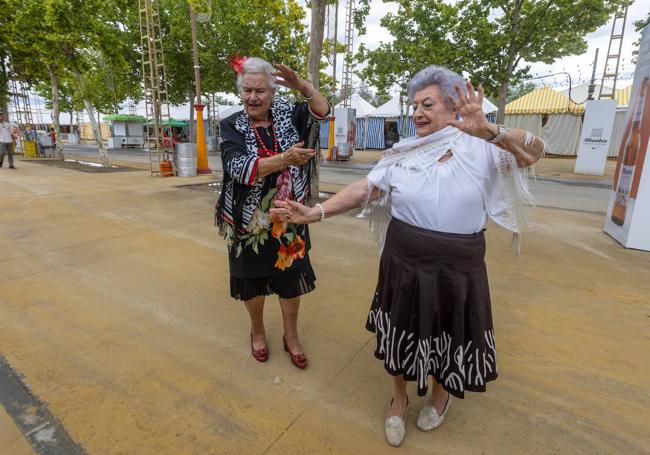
column 185, row 158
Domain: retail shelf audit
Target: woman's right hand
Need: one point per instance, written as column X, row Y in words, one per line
column 294, row 212
column 297, row 156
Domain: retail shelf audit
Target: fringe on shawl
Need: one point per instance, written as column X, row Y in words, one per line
column 513, row 180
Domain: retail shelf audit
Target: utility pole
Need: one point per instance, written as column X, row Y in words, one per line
column 592, row 84
column 201, row 150
column 334, row 42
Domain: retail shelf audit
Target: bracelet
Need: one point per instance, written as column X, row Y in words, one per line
column 322, row 211
column 500, row 134
column 282, row 160
column 313, row 90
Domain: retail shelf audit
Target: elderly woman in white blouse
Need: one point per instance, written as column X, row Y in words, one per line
column 431, row 310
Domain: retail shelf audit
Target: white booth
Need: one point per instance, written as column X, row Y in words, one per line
column 126, row 130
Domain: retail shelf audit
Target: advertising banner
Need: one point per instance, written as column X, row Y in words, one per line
column 595, row 136
column 628, row 214
column 345, row 128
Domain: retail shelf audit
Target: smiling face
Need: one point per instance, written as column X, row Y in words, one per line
column 430, row 111
column 257, row 96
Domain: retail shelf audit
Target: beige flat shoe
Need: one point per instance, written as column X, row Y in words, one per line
column 395, row 427
column 429, row 419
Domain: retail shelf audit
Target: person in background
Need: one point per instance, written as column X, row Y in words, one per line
column 7, row 141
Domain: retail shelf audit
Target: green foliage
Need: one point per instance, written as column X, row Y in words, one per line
column 263, row 28
column 94, row 38
column 100, row 42
column 421, row 37
column 519, row 90
column 638, row 26
column 488, row 40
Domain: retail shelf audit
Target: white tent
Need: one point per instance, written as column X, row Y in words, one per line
column 580, row 93
column 488, row 106
column 363, row 107
column 226, row 111
column 389, row 109
column 180, row 112
column 392, row 108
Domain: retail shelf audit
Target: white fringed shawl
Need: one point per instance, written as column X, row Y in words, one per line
column 505, row 190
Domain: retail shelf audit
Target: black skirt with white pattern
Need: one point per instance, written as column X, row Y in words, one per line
column 431, row 311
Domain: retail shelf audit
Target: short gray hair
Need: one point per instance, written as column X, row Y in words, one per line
column 255, row 65
column 436, row 75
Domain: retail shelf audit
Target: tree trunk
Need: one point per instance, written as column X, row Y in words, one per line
column 510, row 66
column 192, row 129
column 54, row 84
column 97, row 133
column 4, row 89
column 503, row 93
column 103, row 154
column 316, row 41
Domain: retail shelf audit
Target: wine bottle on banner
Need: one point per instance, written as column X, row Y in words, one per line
column 628, row 165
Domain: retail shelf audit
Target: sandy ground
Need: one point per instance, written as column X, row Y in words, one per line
column 114, row 306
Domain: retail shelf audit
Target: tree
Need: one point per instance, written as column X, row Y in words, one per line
column 35, row 56
column 490, row 40
column 5, row 24
column 235, row 26
column 519, row 90
column 638, row 26
column 376, row 99
column 97, row 53
column 526, row 31
column 420, row 31
column 318, row 8
column 88, row 45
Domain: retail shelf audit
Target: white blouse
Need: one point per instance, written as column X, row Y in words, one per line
column 443, row 197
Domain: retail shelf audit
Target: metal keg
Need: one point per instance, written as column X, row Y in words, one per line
column 185, row 159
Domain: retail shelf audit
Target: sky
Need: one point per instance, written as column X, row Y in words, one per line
column 580, row 67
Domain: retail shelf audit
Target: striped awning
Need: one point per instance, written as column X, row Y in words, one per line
column 543, row 100
column 623, row 96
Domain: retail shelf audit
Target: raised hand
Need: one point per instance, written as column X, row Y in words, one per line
column 287, row 77
column 470, row 107
column 294, row 212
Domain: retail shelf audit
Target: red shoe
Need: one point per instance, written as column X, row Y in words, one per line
column 299, row 360
column 261, row 355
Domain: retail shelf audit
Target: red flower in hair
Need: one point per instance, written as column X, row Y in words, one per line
column 237, row 62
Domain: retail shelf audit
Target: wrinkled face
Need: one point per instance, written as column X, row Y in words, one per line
column 430, row 111
column 256, row 95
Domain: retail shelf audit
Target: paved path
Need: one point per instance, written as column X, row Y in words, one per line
column 114, row 311
column 555, row 190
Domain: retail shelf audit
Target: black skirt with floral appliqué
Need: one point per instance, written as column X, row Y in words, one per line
column 270, row 257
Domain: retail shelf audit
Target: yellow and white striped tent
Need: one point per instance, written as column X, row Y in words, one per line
column 623, row 96
column 543, row 100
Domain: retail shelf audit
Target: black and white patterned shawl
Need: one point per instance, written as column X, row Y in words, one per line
column 287, row 135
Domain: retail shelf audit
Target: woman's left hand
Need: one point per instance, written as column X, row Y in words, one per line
column 289, row 78
column 470, row 107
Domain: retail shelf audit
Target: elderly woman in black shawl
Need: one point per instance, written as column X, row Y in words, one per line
column 268, row 153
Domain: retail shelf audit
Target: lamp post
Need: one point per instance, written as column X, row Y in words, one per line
column 201, row 150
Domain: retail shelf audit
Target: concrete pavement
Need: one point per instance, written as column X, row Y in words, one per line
column 114, row 307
